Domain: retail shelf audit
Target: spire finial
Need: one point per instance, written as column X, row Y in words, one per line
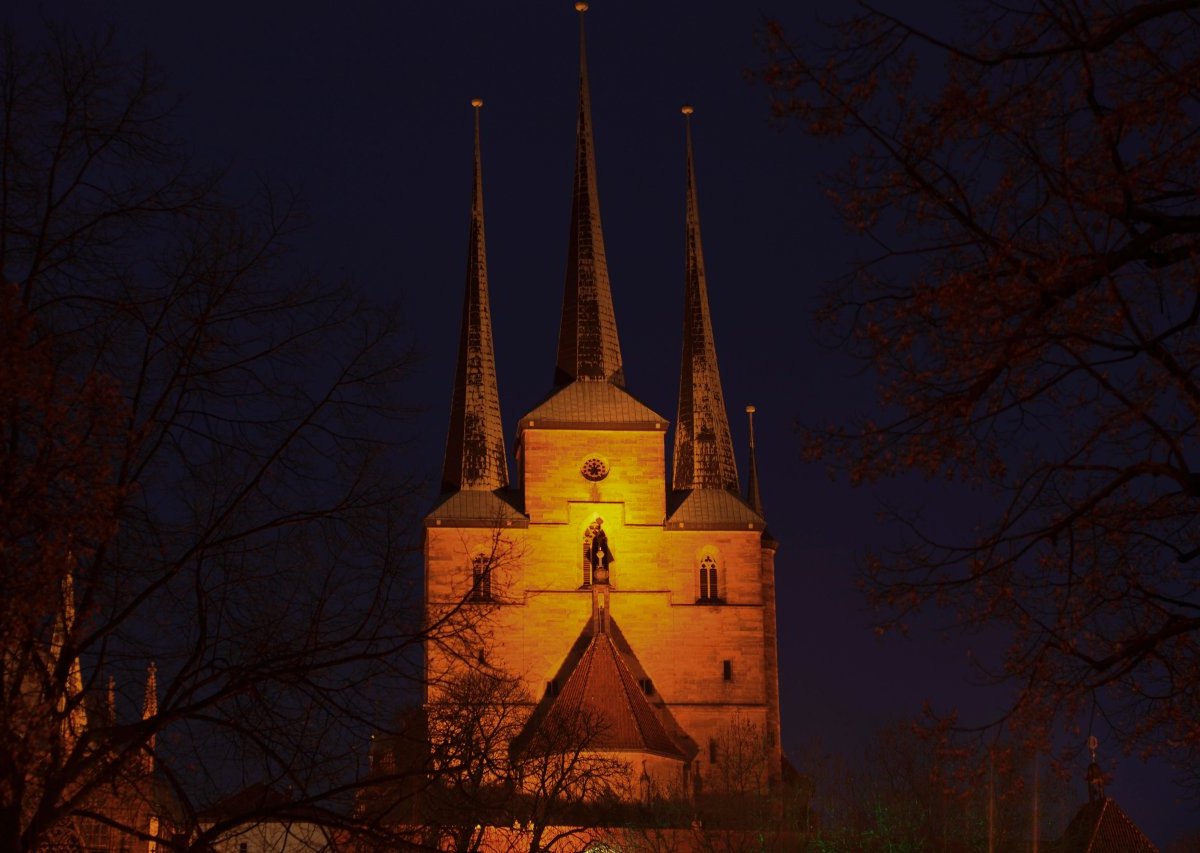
column 1095, row 776
column 475, row 454
column 581, row 7
column 753, row 496
column 588, row 346
column 703, row 445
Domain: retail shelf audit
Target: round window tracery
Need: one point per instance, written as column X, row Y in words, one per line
column 594, row 468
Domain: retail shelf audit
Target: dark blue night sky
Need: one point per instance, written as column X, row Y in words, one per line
column 364, row 108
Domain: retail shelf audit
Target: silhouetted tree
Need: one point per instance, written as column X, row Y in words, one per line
column 567, row 787
column 1029, row 185
column 194, row 464
column 471, row 725
column 486, row 780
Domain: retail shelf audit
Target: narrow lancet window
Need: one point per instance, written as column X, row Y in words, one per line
column 481, row 579
column 709, row 590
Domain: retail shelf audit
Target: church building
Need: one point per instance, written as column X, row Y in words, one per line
column 612, row 587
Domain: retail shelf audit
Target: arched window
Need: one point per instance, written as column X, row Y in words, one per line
column 709, row 589
column 481, row 579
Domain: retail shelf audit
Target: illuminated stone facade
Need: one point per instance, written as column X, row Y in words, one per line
column 677, row 643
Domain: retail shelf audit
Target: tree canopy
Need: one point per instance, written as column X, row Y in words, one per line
column 197, row 470
column 1029, row 188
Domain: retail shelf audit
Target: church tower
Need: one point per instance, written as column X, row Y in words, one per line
column 609, row 590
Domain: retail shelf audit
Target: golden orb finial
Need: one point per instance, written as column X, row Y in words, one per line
column 750, row 410
column 581, row 6
column 477, row 102
column 687, row 109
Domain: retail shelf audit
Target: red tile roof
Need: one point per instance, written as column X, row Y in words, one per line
column 1102, row 826
column 602, row 687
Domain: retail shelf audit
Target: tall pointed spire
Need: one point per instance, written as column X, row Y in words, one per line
column 475, row 455
column 150, row 710
column 703, row 445
column 753, row 496
column 588, row 347
column 70, row 701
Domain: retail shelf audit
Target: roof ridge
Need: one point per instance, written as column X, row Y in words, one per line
column 1096, row 826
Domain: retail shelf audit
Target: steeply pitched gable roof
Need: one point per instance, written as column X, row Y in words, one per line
column 602, row 688
column 1102, row 826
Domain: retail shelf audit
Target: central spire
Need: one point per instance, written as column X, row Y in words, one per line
column 703, row 445
column 588, row 347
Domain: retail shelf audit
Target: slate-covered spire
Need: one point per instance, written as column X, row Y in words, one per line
column 150, row 710
column 475, row 444
column 703, row 446
column 70, row 702
column 753, row 495
column 588, row 347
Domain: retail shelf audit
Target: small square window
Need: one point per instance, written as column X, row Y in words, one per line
column 647, row 686
column 552, row 687
column 727, row 669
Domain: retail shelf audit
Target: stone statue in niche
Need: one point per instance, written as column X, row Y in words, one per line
column 602, row 554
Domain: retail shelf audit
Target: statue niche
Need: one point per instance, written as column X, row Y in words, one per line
column 597, row 555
